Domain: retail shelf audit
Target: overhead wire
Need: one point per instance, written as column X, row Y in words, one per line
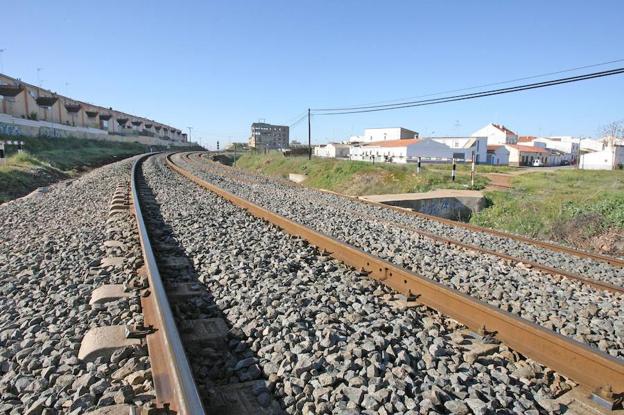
column 394, row 101
column 475, row 95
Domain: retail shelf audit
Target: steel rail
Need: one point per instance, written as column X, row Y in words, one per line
column 546, row 269
column 598, row 284
column 171, row 372
column 590, row 368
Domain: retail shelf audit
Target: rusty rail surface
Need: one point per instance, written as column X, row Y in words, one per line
column 548, row 270
column 590, row 368
column 171, row 372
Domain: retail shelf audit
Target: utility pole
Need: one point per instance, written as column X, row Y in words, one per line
column 190, row 129
column 1, row 61
column 309, row 137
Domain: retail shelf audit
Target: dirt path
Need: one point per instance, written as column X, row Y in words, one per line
column 498, row 181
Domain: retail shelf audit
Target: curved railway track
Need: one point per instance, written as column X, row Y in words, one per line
column 595, row 370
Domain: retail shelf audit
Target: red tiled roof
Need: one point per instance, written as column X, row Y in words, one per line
column 529, row 149
column 394, row 143
column 504, row 129
column 526, row 138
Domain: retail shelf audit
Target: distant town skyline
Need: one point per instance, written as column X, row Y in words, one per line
column 220, row 66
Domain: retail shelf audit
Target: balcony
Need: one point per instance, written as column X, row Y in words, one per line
column 122, row 121
column 10, row 90
column 72, row 108
column 93, row 114
column 46, row 101
column 136, row 123
column 105, row 117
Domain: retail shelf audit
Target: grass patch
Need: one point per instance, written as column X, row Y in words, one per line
column 358, row 178
column 48, row 160
column 571, row 206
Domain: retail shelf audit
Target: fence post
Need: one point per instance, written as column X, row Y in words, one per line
column 453, row 170
column 418, row 166
column 472, row 172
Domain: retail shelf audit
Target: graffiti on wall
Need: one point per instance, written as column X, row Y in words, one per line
column 50, row 132
column 9, row 129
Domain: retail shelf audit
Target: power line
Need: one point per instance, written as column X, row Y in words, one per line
column 303, row 117
column 378, row 103
column 481, row 94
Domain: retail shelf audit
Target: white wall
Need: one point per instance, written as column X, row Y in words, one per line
column 592, row 145
column 500, row 157
column 383, row 134
column 367, row 153
column 332, row 150
column 459, row 145
column 602, row 160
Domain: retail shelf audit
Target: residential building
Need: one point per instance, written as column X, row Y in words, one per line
column 409, row 150
column 333, row 150
column 30, row 110
column 608, row 159
column 384, row 134
column 497, row 134
column 520, row 155
column 568, row 147
column 465, row 147
column 268, row 136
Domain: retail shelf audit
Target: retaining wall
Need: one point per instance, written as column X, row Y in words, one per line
column 15, row 127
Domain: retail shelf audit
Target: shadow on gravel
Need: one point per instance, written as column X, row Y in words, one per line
column 226, row 370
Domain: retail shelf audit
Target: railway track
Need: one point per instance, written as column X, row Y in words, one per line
column 545, row 346
column 459, row 241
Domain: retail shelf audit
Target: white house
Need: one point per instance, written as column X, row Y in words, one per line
column 465, row 147
column 428, row 149
column 384, row 134
column 497, row 134
column 567, row 147
column 521, row 155
column 332, row 150
column 607, row 159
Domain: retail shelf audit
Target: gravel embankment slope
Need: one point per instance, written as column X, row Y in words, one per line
column 51, row 247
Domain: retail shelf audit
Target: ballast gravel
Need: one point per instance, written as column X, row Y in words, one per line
column 327, row 339
column 52, row 247
column 566, row 306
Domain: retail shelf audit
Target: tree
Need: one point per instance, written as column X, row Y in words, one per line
column 612, row 132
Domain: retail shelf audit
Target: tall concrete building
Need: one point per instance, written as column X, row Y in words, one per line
column 268, row 136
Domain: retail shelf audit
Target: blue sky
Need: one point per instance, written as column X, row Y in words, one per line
column 220, row 65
